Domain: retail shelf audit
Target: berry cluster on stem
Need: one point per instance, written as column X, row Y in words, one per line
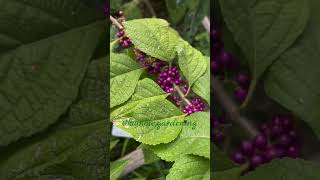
column 276, row 139
column 169, row 78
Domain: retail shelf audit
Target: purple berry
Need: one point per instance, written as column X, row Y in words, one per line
column 240, row 94
column 285, row 140
column 225, row 59
column 261, row 141
column 276, row 130
column 243, row 80
column 238, row 158
column 247, row 148
column 218, row 137
column 256, row 160
column 293, row 151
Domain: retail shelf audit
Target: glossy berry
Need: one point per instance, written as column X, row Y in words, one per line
column 243, row 80
column 293, row 151
column 168, row 77
column 256, row 160
column 240, row 94
column 285, row 140
column 247, row 148
column 238, row 158
column 196, row 106
column 261, row 141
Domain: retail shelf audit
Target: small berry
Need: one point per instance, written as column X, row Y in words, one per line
column 261, row 141
column 241, row 94
column 238, row 158
column 247, row 148
column 243, row 80
column 256, row 160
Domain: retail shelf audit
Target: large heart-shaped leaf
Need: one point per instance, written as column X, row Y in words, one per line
column 293, row 169
column 264, row 29
column 293, row 80
column 148, row 117
column 193, row 139
column 23, row 22
column 40, row 80
column 190, row 167
column 153, row 36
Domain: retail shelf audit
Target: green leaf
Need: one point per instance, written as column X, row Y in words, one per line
column 23, row 22
column 202, row 86
column 176, row 10
column 264, row 29
column 220, row 159
column 124, row 74
column 293, row 169
column 113, row 143
column 230, row 174
column 149, row 155
column 293, row 80
column 191, row 168
column 36, row 155
column 36, row 84
column 153, row 36
column 149, row 114
column 193, row 139
column 116, row 168
column 191, row 62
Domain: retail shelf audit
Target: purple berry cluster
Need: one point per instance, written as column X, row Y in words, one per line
column 153, row 65
column 218, row 125
column 222, row 60
column 277, row 139
column 105, row 8
column 123, row 39
column 196, row 106
column 168, row 77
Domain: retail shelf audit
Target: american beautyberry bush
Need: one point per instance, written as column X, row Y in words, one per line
column 157, row 77
column 265, row 91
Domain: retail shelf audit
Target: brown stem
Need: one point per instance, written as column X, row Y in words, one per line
column 231, row 108
column 135, row 158
column 116, row 23
column 182, row 96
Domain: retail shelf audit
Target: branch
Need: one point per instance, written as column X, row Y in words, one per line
column 231, row 108
column 182, row 96
column 116, row 23
column 135, row 158
column 149, row 6
column 227, row 103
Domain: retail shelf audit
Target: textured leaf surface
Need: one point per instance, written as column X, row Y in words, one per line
column 293, row 169
column 153, row 36
column 23, row 22
column 116, row 169
column 220, row 159
column 230, row 174
column 124, row 74
column 190, row 141
column 190, row 168
column 191, row 62
column 150, row 106
column 264, row 29
column 293, row 80
column 202, row 85
column 40, row 80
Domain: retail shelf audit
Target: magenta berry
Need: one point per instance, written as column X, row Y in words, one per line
column 238, row 158
column 240, row 94
column 261, row 141
column 247, row 148
column 243, row 80
column 256, row 160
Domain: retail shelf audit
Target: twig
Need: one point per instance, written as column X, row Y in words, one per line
column 116, row 23
column 231, row 108
column 135, row 158
column 206, row 23
column 182, row 96
column 149, row 6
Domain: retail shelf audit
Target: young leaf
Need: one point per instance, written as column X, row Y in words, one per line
column 202, row 86
column 293, row 80
column 116, row 169
column 37, row 86
column 124, row 73
column 293, row 169
column 190, row 141
column 191, row 62
column 264, row 29
column 153, row 36
column 190, row 167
